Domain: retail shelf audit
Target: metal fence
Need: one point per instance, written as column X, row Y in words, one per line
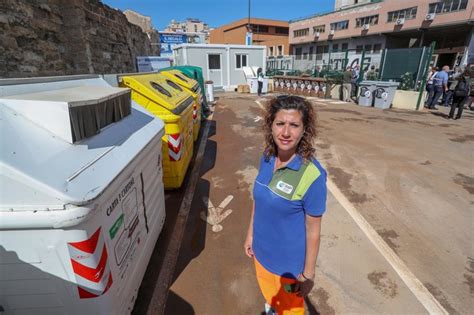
column 405, row 62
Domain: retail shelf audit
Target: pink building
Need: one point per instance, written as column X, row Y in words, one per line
column 378, row 24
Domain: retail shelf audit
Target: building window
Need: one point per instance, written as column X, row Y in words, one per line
column 270, row 51
column 259, row 29
column 195, row 28
column 319, row 29
column 335, row 47
column 370, row 20
column 342, row 25
column 368, row 48
column 298, row 52
column 320, row 50
column 377, row 48
column 214, row 62
column 359, row 49
column 280, row 50
column 344, row 46
column 447, row 6
column 240, row 61
column 282, row 30
column 407, row 14
column 301, row 32
column 311, row 52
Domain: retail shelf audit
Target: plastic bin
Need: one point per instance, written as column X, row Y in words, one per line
column 195, row 73
column 178, row 78
column 366, row 93
column 384, row 93
column 175, row 108
column 78, row 218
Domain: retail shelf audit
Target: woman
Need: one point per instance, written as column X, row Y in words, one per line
column 289, row 199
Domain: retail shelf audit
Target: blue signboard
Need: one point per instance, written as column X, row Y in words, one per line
column 168, row 41
column 248, row 38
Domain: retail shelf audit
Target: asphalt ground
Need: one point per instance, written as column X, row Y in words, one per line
column 407, row 174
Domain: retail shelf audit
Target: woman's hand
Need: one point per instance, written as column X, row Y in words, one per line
column 304, row 285
column 248, row 246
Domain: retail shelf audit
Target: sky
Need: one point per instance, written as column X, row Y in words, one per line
column 220, row 12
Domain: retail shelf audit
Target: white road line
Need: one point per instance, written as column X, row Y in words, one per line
column 340, row 102
column 419, row 290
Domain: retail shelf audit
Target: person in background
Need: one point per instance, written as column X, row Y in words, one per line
column 429, row 84
column 260, row 81
column 440, row 82
column 347, row 85
column 317, row 71
column 371, row 75
column 460, row 95
column 289, row 195
column 452, row 85
column 354, row 80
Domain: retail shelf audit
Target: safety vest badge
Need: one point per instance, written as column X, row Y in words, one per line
column 284, row 187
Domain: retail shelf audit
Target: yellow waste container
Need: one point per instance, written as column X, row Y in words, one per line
column 175, row 108
column 193, row 87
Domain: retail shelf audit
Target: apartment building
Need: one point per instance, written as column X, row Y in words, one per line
column 190, row 25
column 196, row 31
column 378, row 24
column 270, row 33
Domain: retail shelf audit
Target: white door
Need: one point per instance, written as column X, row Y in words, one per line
column 214, row 68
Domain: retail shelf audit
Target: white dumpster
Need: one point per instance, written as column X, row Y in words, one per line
column 82, row 200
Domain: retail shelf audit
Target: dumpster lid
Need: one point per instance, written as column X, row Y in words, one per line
column 155, row 88
column 181, row 79
column 73, row 113
column 41, row 171
column 387, row 83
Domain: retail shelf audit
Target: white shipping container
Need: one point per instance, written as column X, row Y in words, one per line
column 78, row 218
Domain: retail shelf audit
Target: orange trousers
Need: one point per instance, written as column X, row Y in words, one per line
column 273, row 290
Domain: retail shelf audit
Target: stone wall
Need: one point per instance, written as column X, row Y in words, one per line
column 63, row 37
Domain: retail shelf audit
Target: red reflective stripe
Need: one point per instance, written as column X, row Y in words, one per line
column 84, row 294
column 91, row 274
column 88, row 245
column 173, row 148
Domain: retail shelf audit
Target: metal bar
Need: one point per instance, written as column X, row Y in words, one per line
column 420, row 65
column 382, row 64
column 425, row 73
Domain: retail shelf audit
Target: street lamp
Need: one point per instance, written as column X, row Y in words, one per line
column 248, row 35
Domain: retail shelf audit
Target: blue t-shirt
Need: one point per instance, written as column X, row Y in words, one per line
column 440, row 78
column 281, row 201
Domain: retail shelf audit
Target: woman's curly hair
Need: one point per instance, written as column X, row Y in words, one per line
column 305, row 146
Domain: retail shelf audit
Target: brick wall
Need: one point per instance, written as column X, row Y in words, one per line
column 62, row 37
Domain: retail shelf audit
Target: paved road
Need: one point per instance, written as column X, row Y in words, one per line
column 411, row 176
column 213, row 276
column 408, row 173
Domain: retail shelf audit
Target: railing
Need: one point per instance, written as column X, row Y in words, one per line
column 307, row 86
